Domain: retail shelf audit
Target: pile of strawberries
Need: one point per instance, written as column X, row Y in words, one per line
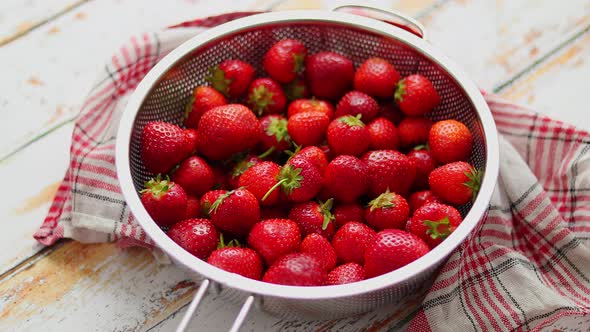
column 318, row 174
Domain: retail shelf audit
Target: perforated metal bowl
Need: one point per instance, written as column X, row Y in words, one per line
column 166, row 89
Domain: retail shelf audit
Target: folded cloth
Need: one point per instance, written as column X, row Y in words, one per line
column 526, row 267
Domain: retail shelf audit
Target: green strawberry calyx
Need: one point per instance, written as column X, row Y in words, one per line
column 386, row 200
column 231, row 244
column 298, row 61
column 400, row 91
column 289, row 179
column 326, row 211
column 474, row 181
column 241, row 167
column 219, row 201
column 294, row 90
column 277, row 127
column 352, row 120
column 217, row 79
column 438, row 229
column 158, row 187
column 260, row 99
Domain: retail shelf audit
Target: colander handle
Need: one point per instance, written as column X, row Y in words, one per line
column 401, row 21
column 190, row 312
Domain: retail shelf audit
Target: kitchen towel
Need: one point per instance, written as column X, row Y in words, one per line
column 526, row 267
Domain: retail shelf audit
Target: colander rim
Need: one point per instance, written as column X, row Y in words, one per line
column 232, row 280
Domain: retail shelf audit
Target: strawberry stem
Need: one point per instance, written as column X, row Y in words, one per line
column 273, row 189
column 433, row 228
column 267, row 153
column 325, row 209
column 231, row 244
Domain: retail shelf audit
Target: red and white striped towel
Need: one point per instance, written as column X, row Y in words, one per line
column 527, row 266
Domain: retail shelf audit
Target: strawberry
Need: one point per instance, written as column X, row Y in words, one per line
column 391, row 250
column 348, row 135
column 414, row 131
column 306, row 105
column 391, row 112
column 346, row 212
column 456, row 183
column 434, row 222
column 296, row 269
column 193, row 208
column 449, row 141
column 273, row 212
column 203, row 99
column 235, row 212
column 345, row 178
column 194, row 175
column 355, row 103
column 227, row 130
column 273, row 238
column 296, row 89
column 351, row 241
column 319, row 247
column 275, row 134
column 197, row 236
column 265, row 96
column 231, row 77
column 208, row 199
column 422, row 159
column 314, row 155
column 416, row 95
column 259, row 179
column 346, row 274
column 299, row 179
column 164, row 200
column 383, row 135
column 243, row 261
column 388, row 169
column 308, row 128
column 221, row 181
column 313, row 217
column 163, row 145
column 329, row 75
column 193, row 137
column 376, row 77
column 388, row 210
column 240, row 167
column 420, row 198
column 284, row 60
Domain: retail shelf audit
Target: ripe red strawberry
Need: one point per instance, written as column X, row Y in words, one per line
column 296, row 89
column 273, row 212
column 275, row 134
column 391, row 250
column 351, row 241
column 296, row 269
column 355, row 103
column 235, row 212
column 391, row 112
column 329, row 75
column 308, row 128
column 265, row 96
column 299, row 179
column 227, row 130
column 388, row 210
column 449, row 141
column 388, row 169
column 194, row 175
column 203, row 99
column 284, row 60
column 197, row 236
column 273, row 238
column 163, row 145
column 259, row 179
column 231, row 77
column 319, row 247
column 422, row 159
column 346, row 179
column 313, row 217
column 376, row 77
column 434, row 222
column 208, row 199
column 193, row 208
column 346, row 212
column 383, row 135
column 414, row 131
column 306, row 105
column 164, row 200
column 193, row 137
column 416, row 95
column 243, row 261
column 348, row 135
column 420, row 198
column 346, row 274
column 314, row 155
column 240, row 167
column 456, row 183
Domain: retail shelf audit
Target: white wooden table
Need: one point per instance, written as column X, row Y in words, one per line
column 530, row 51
